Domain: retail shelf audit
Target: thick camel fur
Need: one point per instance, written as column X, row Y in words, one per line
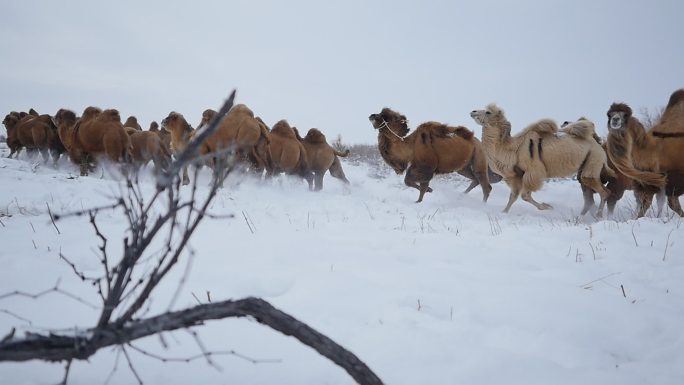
column 433, row 148
column 653, row 158
column 98, row 134
column 287, row 152
column 542, row 151
column 322, row 157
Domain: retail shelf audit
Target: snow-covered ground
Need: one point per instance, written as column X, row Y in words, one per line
column 449, row 291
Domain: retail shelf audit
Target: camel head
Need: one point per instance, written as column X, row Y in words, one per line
column 176, row 122
column 489, row 116
column 618, row 116
column 388, row 120
column 207, row 116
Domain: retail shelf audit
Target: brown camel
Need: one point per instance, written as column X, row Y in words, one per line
column 95, row 135
column 321, row 157
column 181, row 133
column 617, row 184
column 10, row 122
column 147, row 146
column 132, row 121
column 241, row 132
column 653, row 158
column 542, row 151
column 433, row 148
column 36, row 133
column 164, row 135
column 288, row 154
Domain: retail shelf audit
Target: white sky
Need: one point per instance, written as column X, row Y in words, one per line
column 329, row 64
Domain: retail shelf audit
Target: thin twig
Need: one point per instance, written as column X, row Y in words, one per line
column 52, row 218
column 130, row 365
column 203, row 355
column 66, row 373
column 17, row 316
column 667, row 244
column 599, row 279
column 116, row 366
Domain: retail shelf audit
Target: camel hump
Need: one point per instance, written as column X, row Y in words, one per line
column 282, row 128
column 583, row 129
column 242, row 109
column 314, row 136
column 676, row 98
column 542, row 127
column 462, row 132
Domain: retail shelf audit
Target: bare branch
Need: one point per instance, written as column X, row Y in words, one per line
column 54, row 348
column 15, row 315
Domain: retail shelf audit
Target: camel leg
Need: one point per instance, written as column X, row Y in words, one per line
column 644, row 199
column 483, row 181
column 468, row 173
column 337, row 172
column 514, row 184
column 423, row 190
column 527, row 197
column 318, row 181
column 473, row 183
column 588, row 195
column 84, row 166
column 673, row 202
column 595, row 185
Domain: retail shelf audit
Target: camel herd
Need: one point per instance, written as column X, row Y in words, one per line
column 632, row 158
column 98, row 134
column 649, row 162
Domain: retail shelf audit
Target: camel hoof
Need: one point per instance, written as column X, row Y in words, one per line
column 545, row 206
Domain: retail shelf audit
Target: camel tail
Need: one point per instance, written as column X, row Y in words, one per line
column 619, row 152
column 583, row 129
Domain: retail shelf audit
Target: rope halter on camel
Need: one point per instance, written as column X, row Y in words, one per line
column 386, row 125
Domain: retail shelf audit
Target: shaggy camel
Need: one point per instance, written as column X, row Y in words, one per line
column 98, row 133
column 434, row 149
column 35, row 133
column 181, row 133
column 321, row 157
column 10, row 122
column 240, row 131
column 617, row 185
column 542, row 151
column 288, row 154
column 652, row 158
column 147, row 146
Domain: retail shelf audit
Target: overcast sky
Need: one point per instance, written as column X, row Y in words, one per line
column 329, row 64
